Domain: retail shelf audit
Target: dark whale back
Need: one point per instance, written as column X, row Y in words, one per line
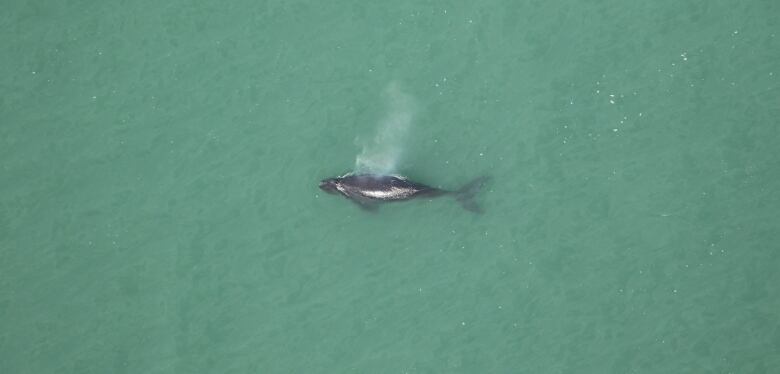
column 370, row 189
column 384, row 187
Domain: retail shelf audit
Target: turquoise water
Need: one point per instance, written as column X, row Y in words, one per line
column 159, row 209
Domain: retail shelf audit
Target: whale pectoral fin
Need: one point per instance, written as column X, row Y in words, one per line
column 366, row 205
column 373, row 208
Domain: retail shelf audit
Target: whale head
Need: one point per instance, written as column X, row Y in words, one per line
column 330, row 185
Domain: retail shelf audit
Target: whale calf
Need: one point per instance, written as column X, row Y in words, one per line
column 369, row 190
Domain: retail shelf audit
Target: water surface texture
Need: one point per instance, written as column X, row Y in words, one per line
column 159, row 209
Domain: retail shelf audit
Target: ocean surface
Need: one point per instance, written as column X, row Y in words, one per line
column 159, row 209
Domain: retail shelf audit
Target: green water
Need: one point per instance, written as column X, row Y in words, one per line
column 159, row 209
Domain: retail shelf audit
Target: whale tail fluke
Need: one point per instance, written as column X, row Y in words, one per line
column 466, row 195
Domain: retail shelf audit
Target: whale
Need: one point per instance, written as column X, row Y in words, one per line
column 370, row 190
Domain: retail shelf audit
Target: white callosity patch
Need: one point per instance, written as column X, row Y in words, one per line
column 391, row 193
